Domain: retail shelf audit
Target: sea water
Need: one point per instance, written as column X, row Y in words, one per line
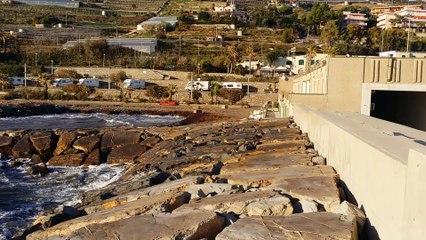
column 83, row 120
column 23, row 197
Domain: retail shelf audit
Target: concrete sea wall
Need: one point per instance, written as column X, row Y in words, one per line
column 381, row 163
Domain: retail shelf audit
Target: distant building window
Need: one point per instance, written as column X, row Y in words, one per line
column 403, row 56
column 288, row 63
column 301, row 62
column 312, row 62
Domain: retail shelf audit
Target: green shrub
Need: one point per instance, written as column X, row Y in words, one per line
column 157, row 92
column 232, row 95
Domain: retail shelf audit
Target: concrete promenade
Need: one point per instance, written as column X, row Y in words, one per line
column 382, row 165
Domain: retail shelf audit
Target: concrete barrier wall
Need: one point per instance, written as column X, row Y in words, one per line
column 382, row 164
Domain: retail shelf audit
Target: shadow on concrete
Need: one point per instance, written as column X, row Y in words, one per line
column 368, row 232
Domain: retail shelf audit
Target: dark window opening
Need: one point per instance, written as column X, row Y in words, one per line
column 403, row 107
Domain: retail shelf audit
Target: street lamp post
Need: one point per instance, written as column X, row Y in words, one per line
column 51, row 67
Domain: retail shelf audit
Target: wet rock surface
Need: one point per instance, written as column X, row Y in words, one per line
column 245, row 180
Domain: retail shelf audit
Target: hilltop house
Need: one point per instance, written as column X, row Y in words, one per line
column 359, row 19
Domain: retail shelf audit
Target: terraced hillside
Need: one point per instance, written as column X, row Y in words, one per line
column 142, row 5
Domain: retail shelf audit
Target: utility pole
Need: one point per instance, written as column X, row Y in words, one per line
column 408, row 37
column 25, row 75
column 198, row 56
column 51, row 67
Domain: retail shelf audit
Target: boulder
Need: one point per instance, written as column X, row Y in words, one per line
column 126, row 153
column 60, row 214
column 352, row 213
column 94, row 158
column 191, row 224
column 71, row 160
column 305, row 206
column 6, row 144
column 36, row 159
column 112, row 139
column 161, row 203
column 307, row 226
column 87, row 144
column 318, row 160
column 65, row 141
column 249, row 203
column 38, row 169
column 23, row 148
column 42, row 142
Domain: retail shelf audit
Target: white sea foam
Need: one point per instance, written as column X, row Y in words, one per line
column 31, row 195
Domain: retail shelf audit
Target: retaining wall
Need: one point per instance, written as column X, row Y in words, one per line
column 382, row 164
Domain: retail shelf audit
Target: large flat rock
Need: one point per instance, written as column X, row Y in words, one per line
column 264, row 161
column 42, row 142
column 23, row 148
column 249, row 203
column 114, row 138
column 87, row 144
column 267, row 177
column 6, row 144
column 322, row 189
column 66, row 139
column 71, row 160
column 164, row 202
column 126, row 153
column 306, row 226
column 189, row 224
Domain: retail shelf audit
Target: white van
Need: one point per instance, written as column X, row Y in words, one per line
column 133, row 84
column 198, row 85
column 90, row 82
column 17, row 81
column 234, row 85
column 62, row 82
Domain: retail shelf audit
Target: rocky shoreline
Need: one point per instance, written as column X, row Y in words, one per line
column 231, row 180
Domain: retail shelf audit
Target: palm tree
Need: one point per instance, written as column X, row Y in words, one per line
column 172, row 88
column 233, row 55
column 44, row 79
column 251, row 54
column 4, row 81
column 214, row 90
column 310, row 54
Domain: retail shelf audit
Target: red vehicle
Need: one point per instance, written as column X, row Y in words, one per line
column 168, row 103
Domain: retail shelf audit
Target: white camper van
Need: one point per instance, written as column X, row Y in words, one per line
column 234, row 85
column 133, row 84
column 198, row 85
column 17, row 81
column 62, row 82
column 90, row 82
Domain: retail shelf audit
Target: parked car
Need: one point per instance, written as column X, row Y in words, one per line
column 198, row 85
column 17, row 81
column 234, row 85
column 62, row 82
column 90, row 82
column 133, row 84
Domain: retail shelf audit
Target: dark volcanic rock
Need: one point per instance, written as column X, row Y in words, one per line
column 23, row 148
column 37, row 169
column 87, row 144
column 72, row 160
column 6, row 144
column 36, row 159
column 112, row 139
column 94, row 158
column 42, row 142
column 127, row 153
column 65, row 141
